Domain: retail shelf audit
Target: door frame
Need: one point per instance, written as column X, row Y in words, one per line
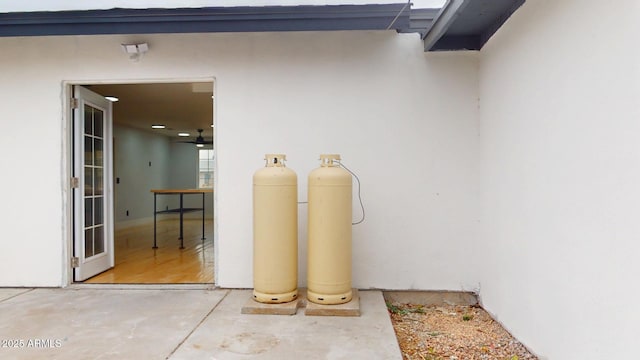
column 67, row 168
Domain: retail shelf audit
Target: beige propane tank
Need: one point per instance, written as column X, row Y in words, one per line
column 329, row 240
column 275, row 232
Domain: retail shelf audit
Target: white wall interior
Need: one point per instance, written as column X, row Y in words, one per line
column 405, row 121
column 560, row 103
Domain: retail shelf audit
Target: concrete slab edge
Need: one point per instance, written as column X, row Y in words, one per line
column 144, row 287
column 430, row 297
column 18, row 292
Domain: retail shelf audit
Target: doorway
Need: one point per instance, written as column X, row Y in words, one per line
column 162, row 182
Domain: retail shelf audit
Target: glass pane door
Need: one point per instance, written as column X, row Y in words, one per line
column 94, row 229
column 93, row 197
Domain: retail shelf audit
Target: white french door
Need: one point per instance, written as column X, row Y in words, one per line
column 93, row 192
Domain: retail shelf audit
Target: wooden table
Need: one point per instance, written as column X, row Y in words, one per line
column 181, row 210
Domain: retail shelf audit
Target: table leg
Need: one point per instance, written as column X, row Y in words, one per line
column 155, row 246
column 181, row 217
column 203, row 238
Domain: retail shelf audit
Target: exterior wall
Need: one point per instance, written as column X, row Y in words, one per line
column 560, row 91
column 403, row 120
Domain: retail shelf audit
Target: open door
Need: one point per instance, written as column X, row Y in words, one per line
column 92, row 189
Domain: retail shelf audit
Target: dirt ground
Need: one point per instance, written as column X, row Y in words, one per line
column 452, row 332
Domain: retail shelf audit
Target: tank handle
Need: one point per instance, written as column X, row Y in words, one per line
column 275, row 160
column 327, row 160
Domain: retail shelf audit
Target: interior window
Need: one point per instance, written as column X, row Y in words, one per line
column 205, row 168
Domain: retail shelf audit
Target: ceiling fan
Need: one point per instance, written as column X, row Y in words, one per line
column 199, row 140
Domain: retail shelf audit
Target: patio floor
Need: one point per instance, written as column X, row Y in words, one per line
column 161, row 323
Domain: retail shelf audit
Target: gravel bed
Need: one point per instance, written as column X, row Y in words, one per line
column 452, row 332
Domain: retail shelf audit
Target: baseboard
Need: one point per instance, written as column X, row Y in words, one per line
column 132, row 223
column 149, row 220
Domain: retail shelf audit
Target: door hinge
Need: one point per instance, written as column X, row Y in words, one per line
column 74, row 103
column 75, row 262
column 75, row 182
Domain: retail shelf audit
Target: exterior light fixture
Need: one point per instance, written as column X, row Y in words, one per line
column 135, row 51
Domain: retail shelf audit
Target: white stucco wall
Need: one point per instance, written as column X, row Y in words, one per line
column 560, row 155
column 404, row 120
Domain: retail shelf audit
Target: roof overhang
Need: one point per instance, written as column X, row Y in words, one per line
column 468, row 24
column 458, row 25
column 213, row 19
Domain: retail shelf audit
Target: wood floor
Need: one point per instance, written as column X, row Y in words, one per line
column 137, row 263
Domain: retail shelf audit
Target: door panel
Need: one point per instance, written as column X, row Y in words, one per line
column 93, row 199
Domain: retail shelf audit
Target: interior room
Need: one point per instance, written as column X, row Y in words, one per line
column 162, row 141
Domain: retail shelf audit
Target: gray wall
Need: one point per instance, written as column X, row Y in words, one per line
column 183, row 174
column 172, row 166
column 133, row 151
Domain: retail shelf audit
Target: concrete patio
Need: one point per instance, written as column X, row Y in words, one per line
column 178, row 323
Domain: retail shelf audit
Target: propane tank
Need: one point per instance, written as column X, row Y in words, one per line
column 275, row 232
column 329, row 238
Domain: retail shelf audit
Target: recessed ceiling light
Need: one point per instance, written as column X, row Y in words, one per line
column 211, row 125
column 158, row 126
column 111, row 98
column 183, row 134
